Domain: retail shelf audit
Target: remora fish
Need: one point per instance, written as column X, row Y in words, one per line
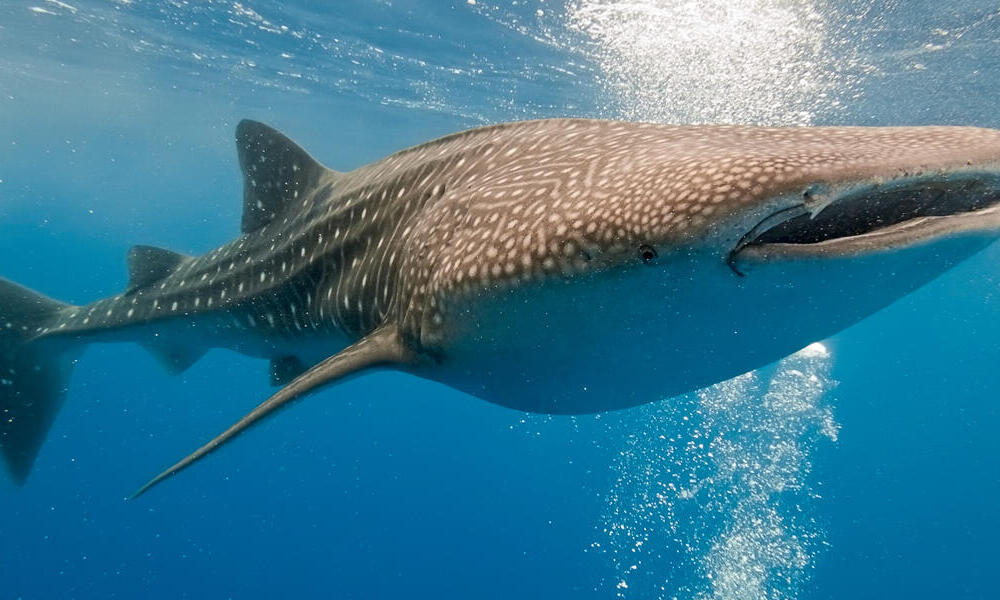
column 555, row 266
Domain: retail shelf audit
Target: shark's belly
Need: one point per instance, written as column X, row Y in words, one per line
column 614, row 341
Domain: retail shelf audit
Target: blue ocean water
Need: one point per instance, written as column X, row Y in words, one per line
column 864, row 467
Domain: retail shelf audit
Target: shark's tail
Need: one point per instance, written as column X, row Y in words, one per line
column 34, row 372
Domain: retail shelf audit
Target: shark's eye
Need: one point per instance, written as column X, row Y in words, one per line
column 647, row 253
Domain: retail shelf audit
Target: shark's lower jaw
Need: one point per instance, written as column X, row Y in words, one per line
column 876, row 218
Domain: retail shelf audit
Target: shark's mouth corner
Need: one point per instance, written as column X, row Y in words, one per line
column 876, row 217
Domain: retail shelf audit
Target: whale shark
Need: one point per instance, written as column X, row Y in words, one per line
column 560, row 266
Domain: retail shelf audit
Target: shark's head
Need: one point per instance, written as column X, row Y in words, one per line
column 675, row 257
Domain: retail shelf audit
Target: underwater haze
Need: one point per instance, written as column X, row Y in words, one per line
column 863, row 466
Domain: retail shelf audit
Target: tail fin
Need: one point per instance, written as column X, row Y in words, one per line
column 33, row 374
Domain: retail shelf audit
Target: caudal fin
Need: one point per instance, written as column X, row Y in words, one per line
column 34, row 373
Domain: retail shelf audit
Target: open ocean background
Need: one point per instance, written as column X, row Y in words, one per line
column 867, row 467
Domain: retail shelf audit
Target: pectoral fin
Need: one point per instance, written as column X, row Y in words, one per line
column 380, row 348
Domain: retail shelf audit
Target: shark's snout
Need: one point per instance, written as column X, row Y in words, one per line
column 875, row 216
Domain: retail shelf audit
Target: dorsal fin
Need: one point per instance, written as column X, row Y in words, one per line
column 149, row 264
column 276, row 172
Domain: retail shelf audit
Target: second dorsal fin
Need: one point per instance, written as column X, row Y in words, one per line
column 149, row 264
column 276, row 172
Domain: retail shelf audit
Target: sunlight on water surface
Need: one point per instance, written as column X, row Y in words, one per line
column 714, row 61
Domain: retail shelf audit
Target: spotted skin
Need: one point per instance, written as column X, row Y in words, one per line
column 544, row 224
column 505, row 205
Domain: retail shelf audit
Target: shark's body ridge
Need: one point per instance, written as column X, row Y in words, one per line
column 558, row 266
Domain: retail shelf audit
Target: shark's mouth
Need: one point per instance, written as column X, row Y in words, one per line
column 875, row 218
